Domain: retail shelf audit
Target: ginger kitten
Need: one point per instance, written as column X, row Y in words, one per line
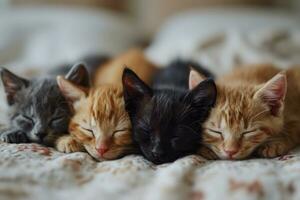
column 257, row 112
column 100, row 124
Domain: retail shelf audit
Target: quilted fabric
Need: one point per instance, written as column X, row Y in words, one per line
column 31, row 171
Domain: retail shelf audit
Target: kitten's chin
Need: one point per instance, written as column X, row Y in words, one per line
column 233, row 157
column 106, row 156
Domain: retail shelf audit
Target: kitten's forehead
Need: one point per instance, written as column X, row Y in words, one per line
column 43, row 97
column 235, row 107
column 107, row 109
column 162, row 109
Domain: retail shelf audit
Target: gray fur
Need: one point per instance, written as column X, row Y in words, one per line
column 38, row 111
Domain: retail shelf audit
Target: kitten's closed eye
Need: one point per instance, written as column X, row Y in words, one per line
column 90, row 131
column 25, row 122
column 185, row 138
column 26, row 118
column 118, row 133
column 213, row 132
column 57, row 120
column 249, row 133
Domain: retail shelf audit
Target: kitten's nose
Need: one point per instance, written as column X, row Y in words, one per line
column 102, row 150
column 40, row 134
column 231, row 152
column 157, row 152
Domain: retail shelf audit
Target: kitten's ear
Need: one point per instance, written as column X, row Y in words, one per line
column 273, row 92
column 12, row 84
column 204, row 94
column 71, row 92
column 195, row 78
column 78, row 74
column 134, row 87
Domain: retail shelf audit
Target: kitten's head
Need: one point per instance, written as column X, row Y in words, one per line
column 244, row 117
column 100, row 121
column 166, row 123
column 37, row 106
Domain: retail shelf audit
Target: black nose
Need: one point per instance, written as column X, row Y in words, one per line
column 40, row 135
column 157, row 153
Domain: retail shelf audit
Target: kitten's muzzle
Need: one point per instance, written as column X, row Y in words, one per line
column 40, row 135
column 157, row 153
column 230, row 153
column 102, row 150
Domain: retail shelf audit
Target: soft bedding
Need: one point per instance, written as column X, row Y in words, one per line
column 31, row 171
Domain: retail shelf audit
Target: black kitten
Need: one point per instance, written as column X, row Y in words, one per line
column 38, row 111
column 167, row 121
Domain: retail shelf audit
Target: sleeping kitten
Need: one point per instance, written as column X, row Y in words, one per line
column 257, row 112
column 38, row 111
column 100, row 123
column 166, row 121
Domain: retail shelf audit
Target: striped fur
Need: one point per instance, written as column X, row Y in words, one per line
column 103, row 111
column 245, row 124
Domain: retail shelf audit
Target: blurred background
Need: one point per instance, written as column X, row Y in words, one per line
column 41, row 34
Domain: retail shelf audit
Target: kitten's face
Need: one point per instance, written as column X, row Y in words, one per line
column 100, row 121
column 244, row 118
column 166, row 124
column 38, row 108
column 41, row 112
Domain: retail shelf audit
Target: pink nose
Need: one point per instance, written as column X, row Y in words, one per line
column 231, row 152
column 102, row 150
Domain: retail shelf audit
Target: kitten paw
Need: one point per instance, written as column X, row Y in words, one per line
column 13, row 136
column 207, row 153
column 272, row 150
column 67, row 144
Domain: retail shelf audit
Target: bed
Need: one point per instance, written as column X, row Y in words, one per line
column 31, row 171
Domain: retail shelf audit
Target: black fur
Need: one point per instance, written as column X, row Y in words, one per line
column 167, row 121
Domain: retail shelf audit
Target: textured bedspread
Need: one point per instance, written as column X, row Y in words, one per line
column 30, row 171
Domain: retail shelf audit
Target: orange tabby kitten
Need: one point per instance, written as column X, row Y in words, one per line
column 257, row 111
column 100, row 124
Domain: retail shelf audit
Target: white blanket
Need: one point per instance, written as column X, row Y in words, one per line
column 30, row 171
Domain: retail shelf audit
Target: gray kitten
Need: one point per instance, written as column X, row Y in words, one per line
column 38, row 111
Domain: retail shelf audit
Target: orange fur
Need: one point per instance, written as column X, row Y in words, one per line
column 240, row 108
column 101, row 109
column 134, row 59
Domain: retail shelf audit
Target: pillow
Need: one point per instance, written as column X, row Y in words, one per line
column 43, row 37
column 226, row 37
